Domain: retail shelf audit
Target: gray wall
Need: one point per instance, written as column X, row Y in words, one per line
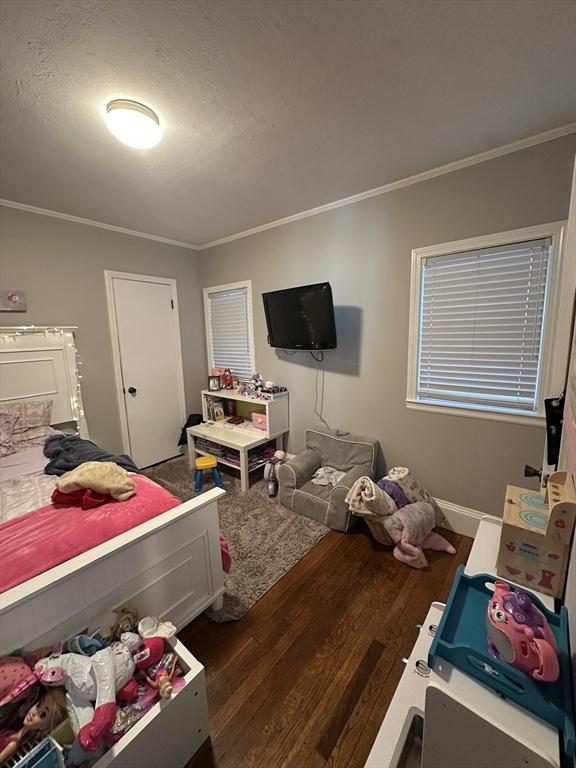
column 61, row 267
column 364, row 251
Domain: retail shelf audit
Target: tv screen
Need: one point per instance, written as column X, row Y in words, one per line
column 301, row 318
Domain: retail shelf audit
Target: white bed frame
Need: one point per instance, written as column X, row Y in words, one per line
column 41, row 363
column 169, row 566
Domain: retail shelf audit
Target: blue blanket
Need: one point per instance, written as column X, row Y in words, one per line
column 67, row 452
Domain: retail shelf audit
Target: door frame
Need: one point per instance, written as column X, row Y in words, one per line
column 109, row 276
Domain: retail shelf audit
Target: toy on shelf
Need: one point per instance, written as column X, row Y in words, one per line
column 519, row 634
column 228, row 379
column 259, row 420
column 271, row 472
column 273, row 389
column 245, row 389
column 257, row 382
column 536, row 534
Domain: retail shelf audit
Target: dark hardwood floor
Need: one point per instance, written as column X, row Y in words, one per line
column 305, row 678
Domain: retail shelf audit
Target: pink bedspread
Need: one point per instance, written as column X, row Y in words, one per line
column 41, row 539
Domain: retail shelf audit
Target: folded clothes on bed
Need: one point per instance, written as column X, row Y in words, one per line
column 66, row 452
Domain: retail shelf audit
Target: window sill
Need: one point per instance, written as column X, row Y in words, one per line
column 452, row 410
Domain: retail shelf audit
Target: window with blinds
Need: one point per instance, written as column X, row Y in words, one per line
column 228, row 313
column 480, row 327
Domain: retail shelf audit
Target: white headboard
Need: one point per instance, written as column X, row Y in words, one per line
column 40, row 363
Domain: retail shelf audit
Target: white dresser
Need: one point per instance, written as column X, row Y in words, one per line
column 442, row 718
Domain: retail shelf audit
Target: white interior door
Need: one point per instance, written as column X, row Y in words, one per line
column 144, row 319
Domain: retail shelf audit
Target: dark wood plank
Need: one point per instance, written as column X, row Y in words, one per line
column 349, row 699
column 305, row 678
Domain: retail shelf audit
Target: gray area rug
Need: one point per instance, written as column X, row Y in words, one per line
column 265, row 538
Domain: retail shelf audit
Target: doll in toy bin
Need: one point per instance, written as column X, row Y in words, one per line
column 158, row 676
column 91, row 683
column 271, row 472
column 158, row 664
column 41, row 718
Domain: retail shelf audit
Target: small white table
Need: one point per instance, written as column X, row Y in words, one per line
column 240, row 437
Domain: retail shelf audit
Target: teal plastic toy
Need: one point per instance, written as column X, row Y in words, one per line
column 461, row 639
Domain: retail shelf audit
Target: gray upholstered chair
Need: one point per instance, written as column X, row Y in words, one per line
column 352, row 454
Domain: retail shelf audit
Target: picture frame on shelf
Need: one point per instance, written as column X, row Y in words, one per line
column 214, row 383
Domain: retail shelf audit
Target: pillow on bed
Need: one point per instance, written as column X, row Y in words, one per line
column 8, row 423
column 32, row 420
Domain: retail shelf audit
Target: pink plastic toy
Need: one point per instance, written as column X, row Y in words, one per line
column 519, row 634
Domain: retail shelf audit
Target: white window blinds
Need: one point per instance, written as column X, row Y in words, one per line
column 481, row 315
column 229, row 318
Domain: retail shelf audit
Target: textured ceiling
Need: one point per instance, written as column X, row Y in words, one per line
column 269, row 107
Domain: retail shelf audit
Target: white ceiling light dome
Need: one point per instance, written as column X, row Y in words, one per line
column 133, row 123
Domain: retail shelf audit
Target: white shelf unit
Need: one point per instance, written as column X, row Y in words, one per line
column 451, row 720
column 240, row 437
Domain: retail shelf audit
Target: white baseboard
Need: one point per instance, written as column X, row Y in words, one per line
column 463, row 520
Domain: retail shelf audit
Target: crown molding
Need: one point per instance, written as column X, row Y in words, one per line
column 92, row 223
column 491, row 154
column 481, row 157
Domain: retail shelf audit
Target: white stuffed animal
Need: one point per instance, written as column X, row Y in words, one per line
column 271, row 472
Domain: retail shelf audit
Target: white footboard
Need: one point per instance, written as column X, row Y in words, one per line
column 170, row 566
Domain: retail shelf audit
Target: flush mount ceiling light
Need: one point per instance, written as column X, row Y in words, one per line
column 133, row 123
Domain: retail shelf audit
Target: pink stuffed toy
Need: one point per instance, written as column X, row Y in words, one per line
column 519, row 634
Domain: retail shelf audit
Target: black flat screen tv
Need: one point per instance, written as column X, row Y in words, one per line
column 301, row 318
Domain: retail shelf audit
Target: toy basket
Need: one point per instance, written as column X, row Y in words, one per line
column 461, row 640
column 376, row 528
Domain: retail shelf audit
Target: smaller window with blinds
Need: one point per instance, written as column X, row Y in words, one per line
column 482, row 316
column 229, row 335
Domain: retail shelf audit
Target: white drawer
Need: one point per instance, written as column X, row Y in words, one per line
column 172, row 730
column 407, row 705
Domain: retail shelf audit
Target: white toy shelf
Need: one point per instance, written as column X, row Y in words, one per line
column 240, row 437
